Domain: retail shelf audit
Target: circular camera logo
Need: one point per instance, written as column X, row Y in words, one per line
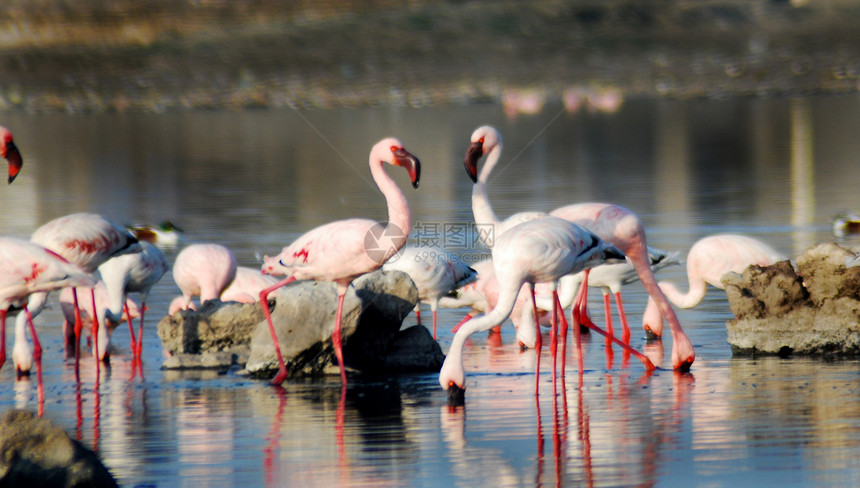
column 379, row 242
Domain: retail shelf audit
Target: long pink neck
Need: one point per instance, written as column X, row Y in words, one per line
column 481, row 207
column 399, row 220
column 685, row 300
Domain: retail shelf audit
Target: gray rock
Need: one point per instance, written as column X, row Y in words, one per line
column 813, row 311
column 215, row 326
column 34, row 452
column 304, row 313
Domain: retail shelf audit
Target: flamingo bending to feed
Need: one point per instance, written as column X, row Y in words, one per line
column 247, row 285
column 436, row 272
column 67, row 304
column 708, row 260
column 203, row 270
column 131, row 273
column 612, row 223
column 9, row 151
column 28, row 269
column 87, row 240
column 536, row 251
column 339, row 251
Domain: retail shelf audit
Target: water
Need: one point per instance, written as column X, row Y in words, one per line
column 775, row 169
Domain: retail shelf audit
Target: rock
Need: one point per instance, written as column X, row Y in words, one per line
column 34, row 452
column 220, row 335
column 814, row 310
column 304, row 313
column 216, row 326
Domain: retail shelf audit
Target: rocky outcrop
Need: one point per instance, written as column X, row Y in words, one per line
column 220, row 335
column 34, row 452
column 813, row 309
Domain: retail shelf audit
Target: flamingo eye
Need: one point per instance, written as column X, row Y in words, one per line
column 394, row 148
column 481, row 140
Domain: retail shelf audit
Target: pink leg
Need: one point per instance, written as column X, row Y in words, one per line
column 538, row 339
column 607, row 312
column 562, row 333
column 625, row 329
column 418, row 317
column 130, row 329
column 78, row 327
column 467, row 318
column 2, row 337
column 140, row 331
column 577, row 332
column 37, row 357
column 95, row 334
column 282, row 368
column 336, row 339
column 553, row 340
column 434, row 325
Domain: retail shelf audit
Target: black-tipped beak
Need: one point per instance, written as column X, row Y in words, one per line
column 476, row 150
column 13, row 156
column 405, row 159
column 456, row 396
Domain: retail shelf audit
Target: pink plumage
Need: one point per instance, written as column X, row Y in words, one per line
column 203, row 270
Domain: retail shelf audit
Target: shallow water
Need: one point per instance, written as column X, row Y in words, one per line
column 775, row 169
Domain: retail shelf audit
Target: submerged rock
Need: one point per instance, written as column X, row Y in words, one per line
column 34, row 452
column 813, row 310
column 220, row 335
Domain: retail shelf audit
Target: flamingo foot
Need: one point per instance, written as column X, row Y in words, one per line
column 280, row 377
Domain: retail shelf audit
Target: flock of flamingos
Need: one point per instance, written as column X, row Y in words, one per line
column 540, row 266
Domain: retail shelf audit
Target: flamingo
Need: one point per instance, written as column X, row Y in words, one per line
column 342, row 250
column 535, row 251
column 67, row 304
column 10, row 152
column 203, row 270
column 247, row 285
column 480, row 295
column 708, row 260
column 87, row 240
column 28, row 268
column 435, row 271
column 610, row 222
column 136, row 272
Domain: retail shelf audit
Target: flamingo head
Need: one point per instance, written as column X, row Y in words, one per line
column 652, row 321
column 9, row 150
column 483, row 140
column 452, row 378
column 391, row 151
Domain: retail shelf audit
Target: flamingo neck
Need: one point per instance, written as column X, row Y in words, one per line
column 399, row 219
column 639, row 256
column 690, row 299
column 481, row 208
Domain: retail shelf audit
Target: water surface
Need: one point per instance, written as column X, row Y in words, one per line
column 774, row 169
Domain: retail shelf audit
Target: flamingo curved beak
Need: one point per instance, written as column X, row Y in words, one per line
column 456, row 395
column 13, row 156
column 476, row 150
column 405, row 159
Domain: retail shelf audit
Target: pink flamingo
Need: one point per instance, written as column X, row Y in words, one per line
column 708, row 260
column 343, row 250
column 9, row 151
column 612, row 223
column 30, row 269
column 67, row 304
column 435, row 271
column 132, row 273
column 536, row 251
column 87, row 240
column 247, row 285
column 203, row 270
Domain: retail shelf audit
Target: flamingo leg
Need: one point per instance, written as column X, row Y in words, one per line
column 553, row 340
column 434, row 324
column 139, row 351
column 336, row 338
column 467, row 318
column 264, row 301
column 2, row 337
column 577, row 331
column 418, row 316
column 563, row 333
column 538, row 339
column 37, row 357
column 625, row 328
column 78, row 327
column 130, row 329
column 96, row 336
column 607, row 312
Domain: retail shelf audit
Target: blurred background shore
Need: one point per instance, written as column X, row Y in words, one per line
column 167, row 55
